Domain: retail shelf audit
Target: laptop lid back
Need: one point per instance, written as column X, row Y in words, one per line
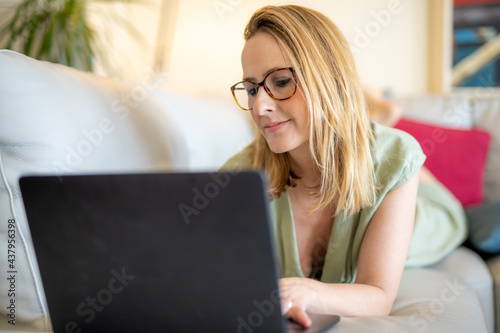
column 180, row 252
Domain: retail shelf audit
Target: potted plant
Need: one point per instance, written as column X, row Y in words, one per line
column 56, row 31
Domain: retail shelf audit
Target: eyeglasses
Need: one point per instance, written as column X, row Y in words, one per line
column 279, row 84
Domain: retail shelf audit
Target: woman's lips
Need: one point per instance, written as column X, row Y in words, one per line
column 275, row 126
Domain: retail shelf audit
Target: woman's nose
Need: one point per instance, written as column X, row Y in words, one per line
column 263, row 102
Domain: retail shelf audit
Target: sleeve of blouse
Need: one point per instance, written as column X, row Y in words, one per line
column 397, row 156
column 238, row 162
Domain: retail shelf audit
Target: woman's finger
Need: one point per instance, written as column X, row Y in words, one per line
column 286, row 305
column 300, row 316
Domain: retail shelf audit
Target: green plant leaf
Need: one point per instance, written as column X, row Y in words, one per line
column 32, row 28
column 11, row 27
column 57, row 31
column 46, row 47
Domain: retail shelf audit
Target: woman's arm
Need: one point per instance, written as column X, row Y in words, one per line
column 381, row 262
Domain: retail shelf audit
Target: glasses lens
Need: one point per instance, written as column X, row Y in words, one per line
column 281, row 84
column 244, row 93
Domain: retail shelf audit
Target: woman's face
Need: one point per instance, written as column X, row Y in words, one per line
column 284, row 124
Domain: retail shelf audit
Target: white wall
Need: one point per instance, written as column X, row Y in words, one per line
column 390, row 49
column 388, row 37
column 126, row 37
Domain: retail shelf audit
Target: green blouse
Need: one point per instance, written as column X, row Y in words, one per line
column 397, row 157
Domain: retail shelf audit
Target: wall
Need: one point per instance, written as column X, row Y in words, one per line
column 390, row 48
column 126, row 35
column 388, row 37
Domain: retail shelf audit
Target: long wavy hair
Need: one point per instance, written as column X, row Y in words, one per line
column 339, row 132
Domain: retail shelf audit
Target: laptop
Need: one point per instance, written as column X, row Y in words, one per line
column 161, row 252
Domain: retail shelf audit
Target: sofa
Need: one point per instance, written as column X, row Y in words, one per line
column 58, row 120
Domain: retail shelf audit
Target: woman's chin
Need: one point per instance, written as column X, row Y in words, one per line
column 284, row 147
column 280, row 148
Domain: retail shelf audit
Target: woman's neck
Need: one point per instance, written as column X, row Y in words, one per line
column 303, row 166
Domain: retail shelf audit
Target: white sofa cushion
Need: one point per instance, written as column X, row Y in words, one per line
column 213, row 129
column 453, row 295
column 447, row 111
column 494, row 267
column 470, row 268
column 487, row 116
column 428, row 301
column 57, row 120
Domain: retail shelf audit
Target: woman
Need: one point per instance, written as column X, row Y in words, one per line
column 344, row 190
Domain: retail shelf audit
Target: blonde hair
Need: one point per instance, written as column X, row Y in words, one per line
column 339, row 133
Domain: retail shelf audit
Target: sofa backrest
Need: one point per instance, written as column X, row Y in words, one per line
column 213, row 128
column 57, row 120
column 464, row 111
column 486, row 112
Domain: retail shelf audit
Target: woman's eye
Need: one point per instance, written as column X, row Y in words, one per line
column 282, row 83
column 251, row 92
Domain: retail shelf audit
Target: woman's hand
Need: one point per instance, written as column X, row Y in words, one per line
column 297, row 296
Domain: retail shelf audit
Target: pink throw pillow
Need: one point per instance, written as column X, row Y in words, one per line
column 456, row 157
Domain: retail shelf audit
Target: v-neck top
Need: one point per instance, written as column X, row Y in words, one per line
column 396, row 156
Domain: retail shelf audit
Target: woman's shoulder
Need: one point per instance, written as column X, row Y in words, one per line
column 240, row 161
column 396, row 154
column 392, row 139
